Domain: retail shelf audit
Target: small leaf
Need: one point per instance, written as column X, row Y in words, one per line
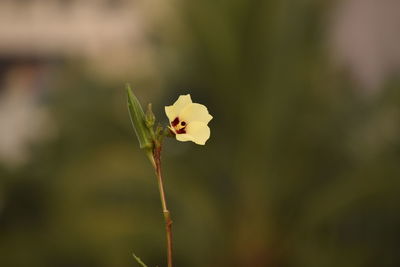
column 138, row 120
column 139, row 260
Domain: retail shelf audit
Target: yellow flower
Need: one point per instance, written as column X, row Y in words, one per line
column 189, row 120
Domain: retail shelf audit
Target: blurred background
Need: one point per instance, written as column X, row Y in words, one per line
column 303, row 165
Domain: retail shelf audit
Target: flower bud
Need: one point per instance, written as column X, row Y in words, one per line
column 138, row 120
column 150, row 118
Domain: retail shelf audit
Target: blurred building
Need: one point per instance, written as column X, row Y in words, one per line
column 365, row 40
column 105, row 30
column 39, row 36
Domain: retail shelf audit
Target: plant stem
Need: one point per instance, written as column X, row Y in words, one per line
column 167, row 216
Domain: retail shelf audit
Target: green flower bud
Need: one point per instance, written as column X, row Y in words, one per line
column 150, row 118
column 138, row 120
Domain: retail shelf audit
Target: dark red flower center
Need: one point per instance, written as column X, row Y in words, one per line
column 179, row 126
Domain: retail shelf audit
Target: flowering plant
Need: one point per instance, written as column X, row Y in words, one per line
column 188, row 121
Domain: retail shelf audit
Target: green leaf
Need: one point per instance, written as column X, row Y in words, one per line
column 139, row 260
column 138, row 120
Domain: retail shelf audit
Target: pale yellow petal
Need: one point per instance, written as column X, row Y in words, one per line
column 174, row 110
column 195, row 112
column 171, row 113
column 183, row 137
column 197, row 132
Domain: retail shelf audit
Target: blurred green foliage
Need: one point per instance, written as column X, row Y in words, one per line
column 301, row 169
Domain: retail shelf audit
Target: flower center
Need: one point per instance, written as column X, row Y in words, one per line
column 179, row 126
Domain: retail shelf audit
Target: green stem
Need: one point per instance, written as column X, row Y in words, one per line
column 167, row 216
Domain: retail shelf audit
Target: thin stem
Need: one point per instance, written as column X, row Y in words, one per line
column 167, row 216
